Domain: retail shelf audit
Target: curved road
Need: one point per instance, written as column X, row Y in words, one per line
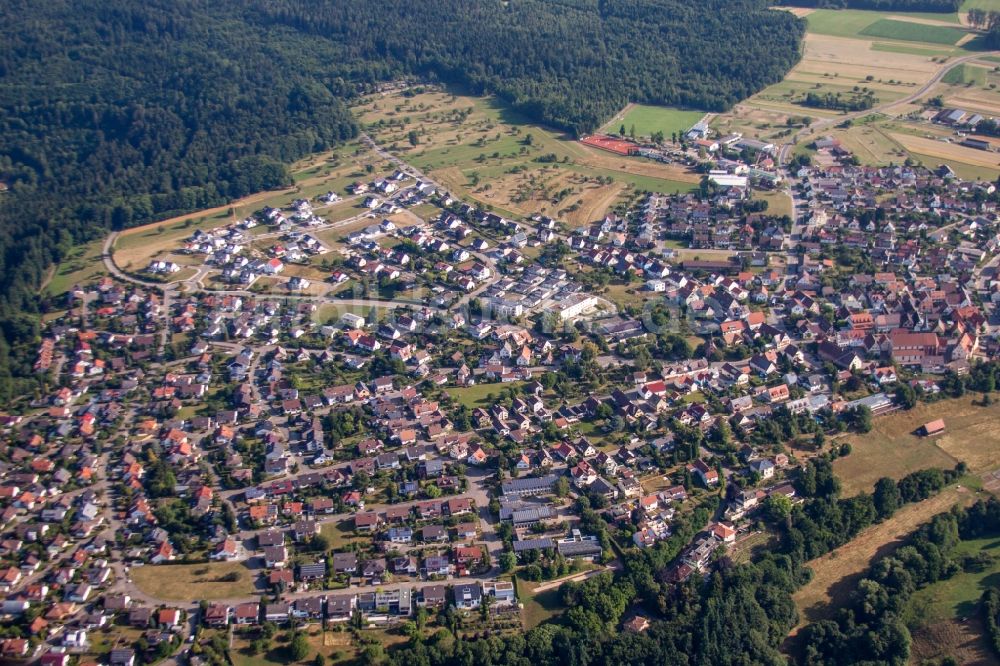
column 825, row 123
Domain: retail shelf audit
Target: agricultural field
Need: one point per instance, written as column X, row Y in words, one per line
column 929, row 28
column 949, row 152
column 909, row 31
column 483, row 152
column 178, row 582
column 835, row 574
column 893, row 449
column 965, row 75
column 650, row 119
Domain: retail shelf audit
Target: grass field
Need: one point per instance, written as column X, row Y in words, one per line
column 891, row 449
column 965, row 75
column 477, row 395
column 481, row 151
column 980, row 4
column 650, row 119
column 946, row 613
column 538, row 607
column 778, row 202
column 339, row 534
column 82, row 265
column 178, row 582
column 836, row 573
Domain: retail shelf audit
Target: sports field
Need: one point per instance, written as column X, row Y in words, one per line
column 649, row 119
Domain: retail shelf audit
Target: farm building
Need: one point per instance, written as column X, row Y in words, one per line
column 935, row 427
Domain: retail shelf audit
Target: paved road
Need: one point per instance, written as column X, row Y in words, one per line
column 820, row 125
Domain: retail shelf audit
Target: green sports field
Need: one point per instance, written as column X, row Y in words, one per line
column 650, row 119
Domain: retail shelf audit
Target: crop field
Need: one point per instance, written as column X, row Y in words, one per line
column 481, row 151
column 650, row 119
column 950, row 152
column 892, row 449
column 909, row 31
column 965, row 75
column 835, row 575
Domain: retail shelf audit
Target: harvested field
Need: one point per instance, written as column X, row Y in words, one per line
column 949, row 151
column 836, row 573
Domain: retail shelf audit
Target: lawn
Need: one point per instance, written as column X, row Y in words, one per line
column 649, row 119
column 540, row 607
column 892, row 449
column 178, row 582
column 339, row 534
column 914, row 32
column 778, row 201
column 82, row 265
column 478, row 395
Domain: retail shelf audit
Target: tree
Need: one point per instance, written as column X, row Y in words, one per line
column 777, row 508
column 507, row 561
column 561, row 487
column 886, row 497
column 413, row 137
column 299, row 648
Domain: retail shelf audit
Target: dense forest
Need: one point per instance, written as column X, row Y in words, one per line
column 119, row 112
column 740, row 614
column 947, row 6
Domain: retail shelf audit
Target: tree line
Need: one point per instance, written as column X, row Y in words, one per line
column 870, row 629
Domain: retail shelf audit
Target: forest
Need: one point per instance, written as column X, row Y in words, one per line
column 114, row 113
